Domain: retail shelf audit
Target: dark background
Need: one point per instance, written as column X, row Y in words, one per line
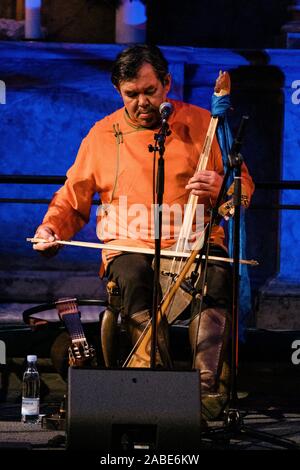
column 201, row 23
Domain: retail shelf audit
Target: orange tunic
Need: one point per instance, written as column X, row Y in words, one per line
column 114, row 161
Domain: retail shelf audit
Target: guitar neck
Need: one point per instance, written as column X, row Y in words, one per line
column 80, row 352
column 73, row 324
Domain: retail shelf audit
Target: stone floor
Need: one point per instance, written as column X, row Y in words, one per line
column 268, row 389
column 263, row 406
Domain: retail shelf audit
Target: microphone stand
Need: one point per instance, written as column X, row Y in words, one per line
column 233, row 421
column 159, row 147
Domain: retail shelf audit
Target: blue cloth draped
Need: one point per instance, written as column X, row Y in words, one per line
column 219, row 107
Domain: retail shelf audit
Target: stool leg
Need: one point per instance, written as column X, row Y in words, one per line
column 108, row 337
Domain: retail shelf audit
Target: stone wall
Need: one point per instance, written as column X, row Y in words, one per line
column 55, row 92
column 205, row 23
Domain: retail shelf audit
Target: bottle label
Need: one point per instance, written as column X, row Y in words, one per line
column 30, row 406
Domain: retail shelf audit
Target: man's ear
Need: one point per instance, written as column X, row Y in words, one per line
column 168, row 82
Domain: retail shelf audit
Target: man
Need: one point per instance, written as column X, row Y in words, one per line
column 114, row 161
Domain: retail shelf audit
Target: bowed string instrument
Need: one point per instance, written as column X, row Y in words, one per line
column 176, row 272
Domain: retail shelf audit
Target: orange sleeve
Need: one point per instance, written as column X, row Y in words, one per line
column 247, row 182
column 70, row 207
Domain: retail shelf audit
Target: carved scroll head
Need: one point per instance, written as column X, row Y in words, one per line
column 223, row 84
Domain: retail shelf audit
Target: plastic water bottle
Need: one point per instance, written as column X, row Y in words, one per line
column 31, row 392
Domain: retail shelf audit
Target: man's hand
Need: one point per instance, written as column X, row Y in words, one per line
column 48, row 249
column 205, row 184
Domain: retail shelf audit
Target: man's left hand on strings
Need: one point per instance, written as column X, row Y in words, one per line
column 206, row 184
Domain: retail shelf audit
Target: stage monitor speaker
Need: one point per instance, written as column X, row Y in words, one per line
column 133, row 409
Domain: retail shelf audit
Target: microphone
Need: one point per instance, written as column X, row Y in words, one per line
column 165, row 111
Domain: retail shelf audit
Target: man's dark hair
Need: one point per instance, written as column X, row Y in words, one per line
column 129, row 62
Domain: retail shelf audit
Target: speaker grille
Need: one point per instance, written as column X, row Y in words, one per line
column 133, row 408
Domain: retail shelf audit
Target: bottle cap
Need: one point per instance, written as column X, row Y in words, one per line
column 32, row 358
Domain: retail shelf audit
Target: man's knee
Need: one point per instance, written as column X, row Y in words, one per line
column 132, row 269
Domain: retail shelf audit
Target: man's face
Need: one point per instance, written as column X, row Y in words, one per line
column 143, row 95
